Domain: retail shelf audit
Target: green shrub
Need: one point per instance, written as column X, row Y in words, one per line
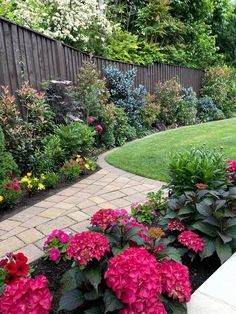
column 169, row 98
column 71, row 169
column 150, row 111
column 194, row 166
column 50, row 179
column 207, row 110
column 9, row 195
column 187, row 111
column 7, row 163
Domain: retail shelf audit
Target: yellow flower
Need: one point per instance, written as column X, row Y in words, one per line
column 1, row 198
column 43, row 176
column 41, row 186
column 86, row 166
column 29, row 174
column 24, row 179
column 29, row 186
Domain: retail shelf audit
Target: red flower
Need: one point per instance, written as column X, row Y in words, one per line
column 175, row 281
column 231, row 165
column 99, row 128
column 8, row 185
column 16, row 187
column 135, row 277
column 26, row 296
column 11, row 267
column 72, row 163
column 152, row 306
column 3, row 262
column 191, row 240
column 64, row 166
column 22, row 269
column 90, row 120
column 85, row 246
column 11, row 278
column 176, row 225
column 105, row 218
column 20, row 258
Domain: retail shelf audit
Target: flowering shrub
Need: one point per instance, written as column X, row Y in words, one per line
column 74, row 167
column 32, row 184
column 12, row 268
column 231, row 172
column 10, row 192
column 85, row 246
column 56, row 245
column 27, row 295
column 118, row 264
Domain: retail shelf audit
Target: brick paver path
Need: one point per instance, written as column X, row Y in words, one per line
column 72, row 208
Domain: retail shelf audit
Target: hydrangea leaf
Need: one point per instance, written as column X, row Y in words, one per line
column 111, row 302
column 71, row 300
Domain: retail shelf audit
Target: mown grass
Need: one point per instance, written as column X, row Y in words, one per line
column 149, row 157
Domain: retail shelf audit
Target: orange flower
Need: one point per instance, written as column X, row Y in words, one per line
column 201, row 186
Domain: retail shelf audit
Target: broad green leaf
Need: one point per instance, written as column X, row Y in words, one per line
column 92, row 295
column 186, row 210
column 169, row 253
column 225, row 238
column 94, row 276
column 212, row 221
column 137, row 239
column 231, row 231
column 111, row 302
column 209, row 247
column 94, row 310
column 132, row 231
column 230, row 222
column 71, row 300
column 117, row 250
column 68, row 281
column 220, row 204
column 223, row 250
column 177, row 308
column 205, row 228
column 203, row 209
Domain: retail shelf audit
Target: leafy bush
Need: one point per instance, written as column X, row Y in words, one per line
column 194, row 166
column 211, row 214
column 169, row 98
column 71, row 169
column 10, row 192
column 150, row 111
column 187, row 111
column 50, row 179
column 124, row 94
column 7, row 163
column 207, row 110
column 32, row 184
column 61, row 98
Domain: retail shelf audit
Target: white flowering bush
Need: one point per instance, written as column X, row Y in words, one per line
column 78, row 23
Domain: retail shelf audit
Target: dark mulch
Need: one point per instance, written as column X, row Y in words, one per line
column 28, row 201
column 199, row 272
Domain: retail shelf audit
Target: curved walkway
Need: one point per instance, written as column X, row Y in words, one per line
column 72, row 208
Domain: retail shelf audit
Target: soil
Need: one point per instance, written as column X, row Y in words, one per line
column 28, row 201
column 199, row 272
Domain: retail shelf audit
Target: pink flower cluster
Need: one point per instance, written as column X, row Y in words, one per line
column 152, row 306
column 14, row 184
column 62, row 236
column 176, row 225
column 175, row 280
column 231, row 165
column 105, row 218
column 85, row 246
column 26, row 296
column 135, row 278
column 191, row 240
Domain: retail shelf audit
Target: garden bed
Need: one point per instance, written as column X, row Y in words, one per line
column 27, row 201
column 199, row 273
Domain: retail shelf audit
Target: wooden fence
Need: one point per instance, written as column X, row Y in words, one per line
column 28, row 55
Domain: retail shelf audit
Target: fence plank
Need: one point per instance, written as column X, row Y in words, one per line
column 28, row 55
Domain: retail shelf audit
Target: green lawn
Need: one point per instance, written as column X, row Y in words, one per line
column 149, row 156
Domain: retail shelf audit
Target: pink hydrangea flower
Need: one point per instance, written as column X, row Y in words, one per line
column 62, row 236
column 107, row 217
column 160, row 247
column 135, row 277
column 175, row 281
column 85, row 246
column 152, row 306
column 176, row 225
column 231, row 165
column 25, row 296
column 191, row 240
column 54, row 254
column 99, row 128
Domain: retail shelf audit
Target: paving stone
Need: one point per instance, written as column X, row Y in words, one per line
column 90, row 211
column 68, row 192
column 113, row 195
column 64, row 205
column 81, row 226
column 134, row 198
column 120, row 202
column 30, row 236
column 85, row 204
column 10, row 245
column 45, row 204
column 72, row 200
column 12, row 232
column 57, row 223
column 40, row 243
column 129, row 191
column 107, row 205
column 80, row 185
column 97, row 199
column 28, row 213
column 82, row 195
column 91, row 189
column 78, row 216
column 52, row 212
column 34, row 221
column 32, row 252
column 56, row 198
column 8, row 224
